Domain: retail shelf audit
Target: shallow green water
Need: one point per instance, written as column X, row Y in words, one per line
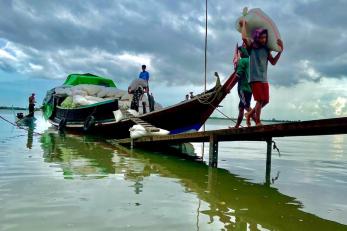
column 68, row 182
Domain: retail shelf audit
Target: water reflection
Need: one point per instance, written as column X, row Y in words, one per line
column 30, row 136
column 233, row 201
column 77, row 156
column 338, row 145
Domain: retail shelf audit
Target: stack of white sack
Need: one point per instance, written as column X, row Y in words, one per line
column 86, row 100
column 138, row 131
column 86, row 94
column 65, row 91
column 91, row 90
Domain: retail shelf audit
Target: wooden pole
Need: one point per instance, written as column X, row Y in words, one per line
column 205, row 44
column 213, row 153
column 203, row 144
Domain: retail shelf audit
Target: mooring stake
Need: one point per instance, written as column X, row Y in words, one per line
column 131, row 143
column 213, row 153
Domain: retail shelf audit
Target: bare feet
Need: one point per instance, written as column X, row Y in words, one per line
column 259, row 124
column 248, row 119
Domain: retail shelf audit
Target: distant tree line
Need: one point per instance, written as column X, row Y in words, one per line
column 17, row 108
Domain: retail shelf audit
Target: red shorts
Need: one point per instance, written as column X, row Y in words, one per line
column 260, row 91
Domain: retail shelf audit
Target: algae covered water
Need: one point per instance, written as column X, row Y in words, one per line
column 68, row 182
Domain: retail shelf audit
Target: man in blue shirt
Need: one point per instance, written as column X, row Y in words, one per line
column 144, row 74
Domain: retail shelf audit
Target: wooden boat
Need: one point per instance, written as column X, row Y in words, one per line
column 99, row 119
column 27, row 120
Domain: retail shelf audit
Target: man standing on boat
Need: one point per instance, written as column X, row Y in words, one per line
column 145, row 76
column 32, row 104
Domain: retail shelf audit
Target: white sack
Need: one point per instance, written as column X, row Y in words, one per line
column 80, row 100
column 118, row 115
column 90, row 88
column 63, row 91
column 255, row 19
column 102, row 93
column 78, row 92
column 137, row 131
column 93, row 98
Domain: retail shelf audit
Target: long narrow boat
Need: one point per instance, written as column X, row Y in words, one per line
column 98, row 119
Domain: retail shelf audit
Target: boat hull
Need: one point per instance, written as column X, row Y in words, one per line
column 185, row 116
column 101, row 111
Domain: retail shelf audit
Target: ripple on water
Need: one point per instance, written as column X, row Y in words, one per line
column 75, row 183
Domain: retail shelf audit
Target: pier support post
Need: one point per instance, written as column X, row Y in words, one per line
column 213, row 153
column 268, row 161
column 131, row 143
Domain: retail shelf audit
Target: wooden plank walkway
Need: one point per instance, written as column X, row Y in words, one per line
column 261, row 133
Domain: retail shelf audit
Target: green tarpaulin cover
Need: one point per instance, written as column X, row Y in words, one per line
column 76, row 79
column 73, row 80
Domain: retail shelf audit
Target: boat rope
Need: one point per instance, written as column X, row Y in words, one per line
column 226, row 116
column 274, row 147
column 14, row 113
column 207, row 99
column 276, row 177
column 18, row 126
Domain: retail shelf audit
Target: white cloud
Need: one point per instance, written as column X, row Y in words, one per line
column 306, row 100
column 340, row 106
column 5, row 55
column 35, row 67
column 308, row 70
column 50, row 39
column 136, row 59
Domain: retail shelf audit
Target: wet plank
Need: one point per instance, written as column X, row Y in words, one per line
column 261, row 133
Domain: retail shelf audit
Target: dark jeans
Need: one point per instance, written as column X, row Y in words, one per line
column 136, row 98
column 31, row 109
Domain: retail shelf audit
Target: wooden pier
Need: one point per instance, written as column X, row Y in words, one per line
column 260, row 133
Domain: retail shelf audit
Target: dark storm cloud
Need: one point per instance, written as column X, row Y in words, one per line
column 53, row 38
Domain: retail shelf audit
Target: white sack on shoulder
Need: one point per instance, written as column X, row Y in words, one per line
column 255, row 19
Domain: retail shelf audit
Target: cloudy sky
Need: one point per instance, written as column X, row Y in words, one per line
column 41, row 42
